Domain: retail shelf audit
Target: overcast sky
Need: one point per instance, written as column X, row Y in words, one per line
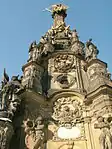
column 23, row 21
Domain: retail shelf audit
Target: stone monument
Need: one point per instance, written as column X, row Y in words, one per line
column 64, row 98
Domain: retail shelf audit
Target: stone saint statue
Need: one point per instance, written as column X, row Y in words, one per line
column 91, row 50
column 105, row 138
column 34, row 53
column 74, row 36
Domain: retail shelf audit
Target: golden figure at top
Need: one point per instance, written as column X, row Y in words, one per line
column 57, row 8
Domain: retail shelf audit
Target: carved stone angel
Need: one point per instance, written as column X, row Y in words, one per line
column 105, row 138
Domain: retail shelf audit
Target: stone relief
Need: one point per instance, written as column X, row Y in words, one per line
column 67, row 110
column 97, row 70
column 105, row 138
column 91, row 50
column 37, row 51
column 32, row 78
column 64, row 63
column 45, row 45
column 58, row 38
column 66, row 81
column 61, row 30
column 68, row 132
column 34, row 130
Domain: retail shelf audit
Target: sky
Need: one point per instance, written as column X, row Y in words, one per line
column 23, row 21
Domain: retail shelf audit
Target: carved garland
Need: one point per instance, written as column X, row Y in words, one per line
column 63, row 63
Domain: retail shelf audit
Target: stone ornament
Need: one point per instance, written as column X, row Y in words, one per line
column 66, row 81
column 37, row 51
column 97, row 70
column 35, row 73
column 63, row 63
column 34, row 133
column 67, row 110
column 45, row 46
column 78, row 48
column 60, row 30
column 69, row 132
column 105, row 138
column 32, row 78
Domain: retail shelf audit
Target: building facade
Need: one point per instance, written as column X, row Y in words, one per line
column 64, row 98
